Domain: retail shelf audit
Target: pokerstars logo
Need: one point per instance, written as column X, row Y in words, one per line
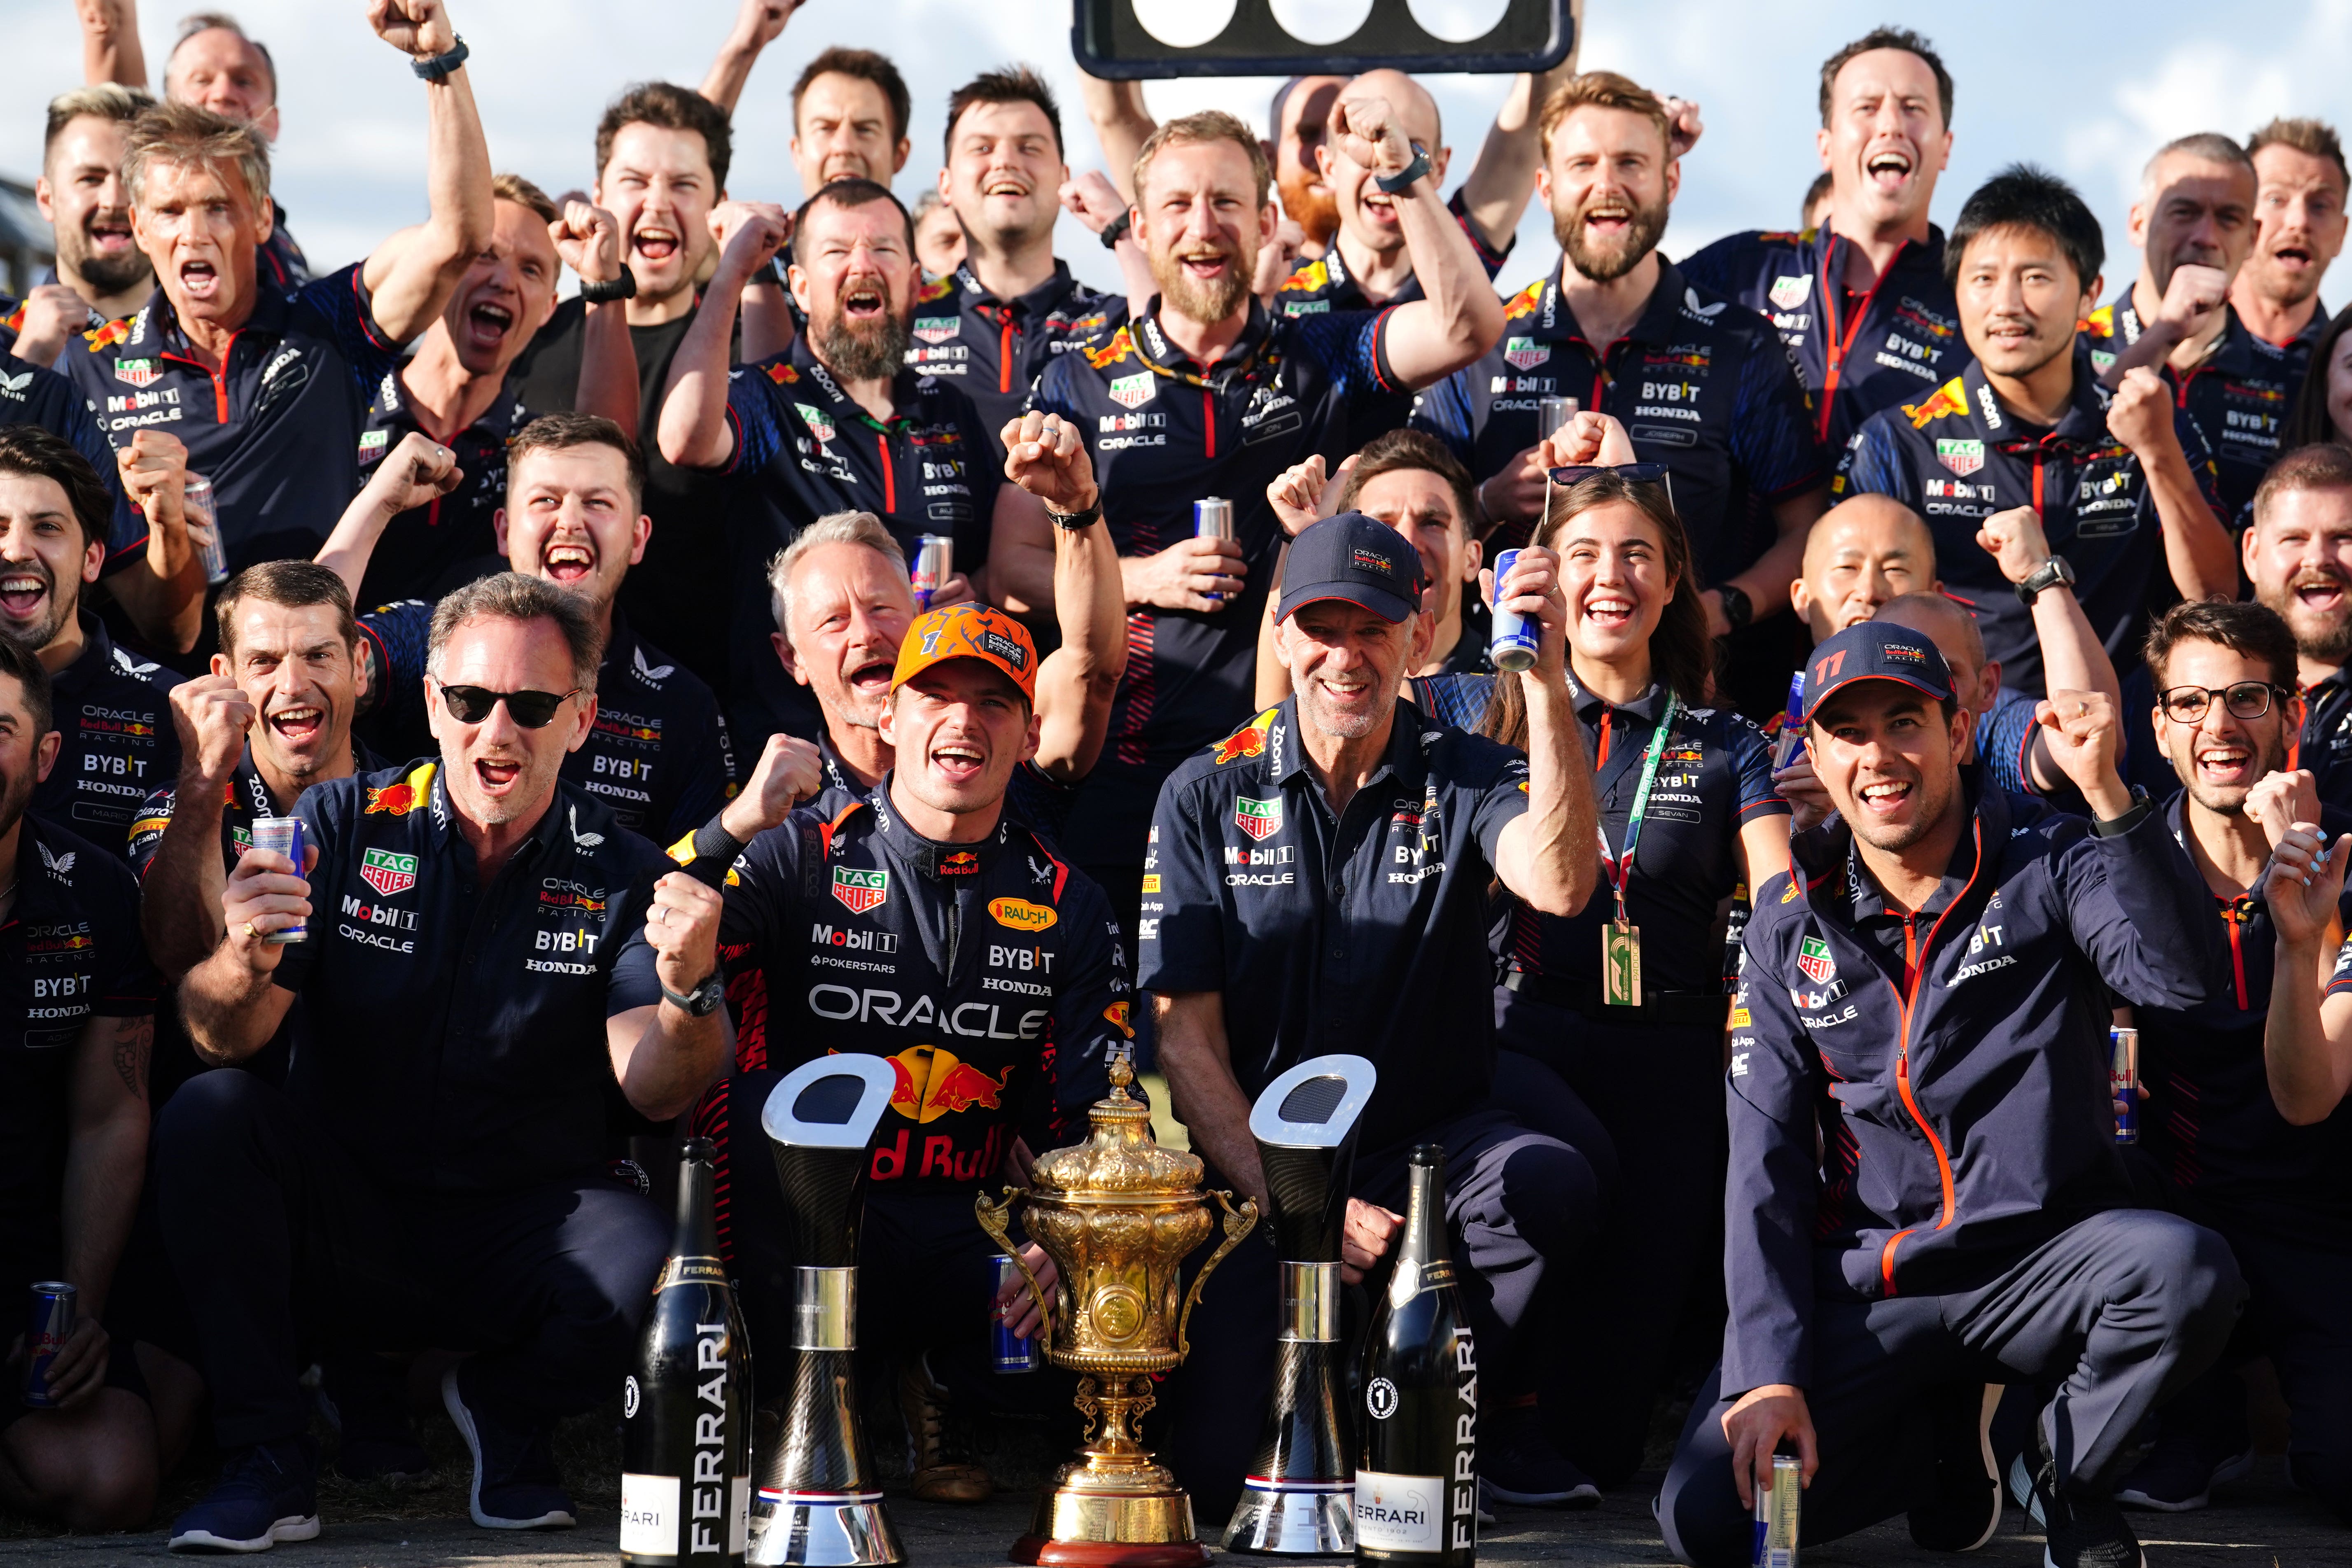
column 1963, row 457
column 857, row 892
column 1261, row 820
column 387, row 873
column 1133, row 391
column 1813, row 958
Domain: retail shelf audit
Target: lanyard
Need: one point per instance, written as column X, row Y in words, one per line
column 1620, row 869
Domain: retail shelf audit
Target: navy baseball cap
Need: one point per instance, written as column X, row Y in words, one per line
column 1872, row 650
column 1353, row 557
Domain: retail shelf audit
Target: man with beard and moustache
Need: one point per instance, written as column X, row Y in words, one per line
column 1210, row 394
column 658, row 755
column 99, row 274
column 2297, row 554
column 1012, row 306
column 1700, row 384
column 1864, row 307
column 839, row 422
column 1300, row 120
column 119, row 743
column 2301, row 184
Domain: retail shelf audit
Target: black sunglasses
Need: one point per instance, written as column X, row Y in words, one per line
column 2246, row 700
column 1632, row 473
column 532, row 710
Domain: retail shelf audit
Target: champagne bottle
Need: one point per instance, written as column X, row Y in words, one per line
column 686, row 1431
column 1417, row 1470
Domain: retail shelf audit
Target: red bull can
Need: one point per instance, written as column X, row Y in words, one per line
column 1777, row 1513
column 1511, row 644
column 282, row 836
column 934, row 565
column 53, row 1324
column 1552, row 413
column 1792, row 723
column 1008, row 1352
column 2123, row 1081
column 1212, row 517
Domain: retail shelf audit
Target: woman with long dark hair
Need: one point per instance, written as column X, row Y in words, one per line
column 1625, row 1001
column 2323, row 409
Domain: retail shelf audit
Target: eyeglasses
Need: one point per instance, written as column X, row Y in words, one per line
column 532, row 710
column 1632, row 473
column 2246, row 700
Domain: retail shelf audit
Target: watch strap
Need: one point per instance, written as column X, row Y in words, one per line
column 2050, row 572
column 1396, row 185
column 1075, row 520
column 438, row 67
column 1738, row 608
column 625, row 287
column 1116, row 230
column 700, row 1002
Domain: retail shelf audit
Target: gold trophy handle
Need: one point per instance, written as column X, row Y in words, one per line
column 1239, row 1223
column 995, row 1218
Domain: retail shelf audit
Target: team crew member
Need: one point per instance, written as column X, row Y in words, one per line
column 2194, row 223
column 73, row 1043
column 1012, row 306
column 1316, row 882
column 2216, row 1137
column 2298, row 556
column 476, row 923
column 1861, row 1302
column 112, row 712
column 840, row 422
column 2299, row 227
column 269, row 386
column 1865, row 305
column 938, row 235
column 1300, row 117
column 2122, row 481
column 99, row 274
column 1687, row 814
column 658, row 754
column 926, row 922
column 1700, row 384
column 1208, row 394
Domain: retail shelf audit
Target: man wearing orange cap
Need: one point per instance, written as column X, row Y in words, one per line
column 924, row 923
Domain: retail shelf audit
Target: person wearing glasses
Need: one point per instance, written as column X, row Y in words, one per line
column 484, row 950
column 2238, row 1134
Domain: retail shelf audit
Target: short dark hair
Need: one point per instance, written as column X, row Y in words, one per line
column 30, row 450
column 2314, row 138
column 557, row 432
column 853, row 191
column 1902, row 38
column 672, row 108
column 2239, row 625
column 1022, row 84
column 2324, row 465
column 41, row 695
column 512, row 596
column 2311, row 423
column 2022, row 197
column 291, row 584
column 1414, row 451
column 866, row 64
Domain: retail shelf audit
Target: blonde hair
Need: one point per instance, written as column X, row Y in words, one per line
column 1207, row 126
column 1601, row 89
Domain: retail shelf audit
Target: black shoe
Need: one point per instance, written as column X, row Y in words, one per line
column 265, row 1494
column 1518, row 1465
column 1966, row 1508
column 516, row 1483
column 2083, row 1530
column 362, row 1399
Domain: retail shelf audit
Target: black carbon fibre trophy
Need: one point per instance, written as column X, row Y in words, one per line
column 819, row 1501
column 686, row 1426
column 1299, row 1494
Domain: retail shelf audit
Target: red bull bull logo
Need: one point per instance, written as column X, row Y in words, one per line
column 932, row 1082
column 959, row 863
column 1248, row 742
column 1949, row 399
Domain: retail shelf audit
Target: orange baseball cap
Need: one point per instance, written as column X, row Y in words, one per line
column 968, row 631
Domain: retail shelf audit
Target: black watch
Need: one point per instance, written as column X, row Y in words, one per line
column 703, row 1000
column 2053, row 572
column 625, row 287
column 1116, row 229
column 1075, row 521
column 1396, row 185
column 438, row 67
column 1738, row 611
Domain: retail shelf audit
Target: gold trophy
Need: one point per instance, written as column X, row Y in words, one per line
column 1118, row 1215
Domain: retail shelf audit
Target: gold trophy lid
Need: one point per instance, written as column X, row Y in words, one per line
column 1120, row 1160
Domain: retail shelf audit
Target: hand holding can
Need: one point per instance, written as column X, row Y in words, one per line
column 934, row 565
column 282, row 836
column 203, row 528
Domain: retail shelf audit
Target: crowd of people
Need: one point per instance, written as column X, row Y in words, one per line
column 851, row 553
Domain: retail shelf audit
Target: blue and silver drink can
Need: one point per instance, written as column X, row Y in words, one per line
column 934, row 565
column 1008, row 1352
column 2123, row 1081
column 1512, row 643
column 1212, row 517
column 1792, row 723
column 53, row 1324
column 1776, row 1514
column 1552, row 412
column 282, row 836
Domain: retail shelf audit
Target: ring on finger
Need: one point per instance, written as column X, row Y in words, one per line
column 661, row 914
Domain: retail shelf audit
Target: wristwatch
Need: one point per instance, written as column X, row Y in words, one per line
column 2051, row 572
column 438, row 67
column 1396, row 185
column 625, row 287
column 1073, row 521
column 1737, row 609
column 703, row 1000
column 1116, row 229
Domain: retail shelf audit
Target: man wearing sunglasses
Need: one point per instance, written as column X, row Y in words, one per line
column 574, row 516
column 484, row 951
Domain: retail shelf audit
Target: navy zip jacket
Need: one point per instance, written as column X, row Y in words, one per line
column 1953, row 1062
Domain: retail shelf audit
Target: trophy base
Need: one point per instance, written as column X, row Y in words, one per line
column 1127, row 1516
column 821, row 1530
column 1293, row 1519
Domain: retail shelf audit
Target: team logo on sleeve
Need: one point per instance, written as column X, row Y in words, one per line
column 1813, row 958
column 1133, row 391
column 388, row 873
column 1261, row 820
column 1789, row 291
column 860, row 891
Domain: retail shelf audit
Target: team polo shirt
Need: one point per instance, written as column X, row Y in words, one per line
column 457, row 1030
column 989, row 974
column 993, row 349
column 430, row 550
column 276, row 431
column 36, row 395
column 69, row 951
column 119, row 743
column 1957, row 456
column 2324, row 745
column 1323, row 285
column 2242, row 393
column 1163, row 430
column 658, row 757
column 1363, row 933
column 1856, row 355
column 1700, row 385
column 1714, row 777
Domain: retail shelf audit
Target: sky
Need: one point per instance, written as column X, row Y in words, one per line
column 2037, row 82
